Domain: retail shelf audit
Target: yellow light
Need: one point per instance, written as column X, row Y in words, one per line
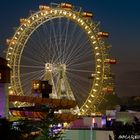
column 60, row 12
column 74, row 16
column 96, row 84
column 98, row 72
column 89, row 101
column 46, row 12
column 9, row 53
column 94, row 42
column 21, row 29
column 8, row 65
column 11, row 48
column 97, row 78
column 64, row 12
column 96, row 48
column 97, row 53
column 87, row 106
column 99, row 60
column 70, row 14
column 13, row 42
column 33, row 18
column 92, row 96
column 92, row 37
column 11, row 92
column 79, row 113
column 42, row 13
column 82, row 22
column 55, row 11
column 18, row 33
column 89, row 32
column 98, row 66
column 15, row 38
column 78, row 19
column 94, row 90
column 86, row 27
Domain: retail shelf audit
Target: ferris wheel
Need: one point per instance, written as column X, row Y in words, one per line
column 62, row 44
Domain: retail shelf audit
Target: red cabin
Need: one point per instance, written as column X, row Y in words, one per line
column 87, row 14
column 11, row 41
column 44, row 8
column 103, row 34
column 108, row 89
column 67, row 6
column 25, row 21
column 111, row 61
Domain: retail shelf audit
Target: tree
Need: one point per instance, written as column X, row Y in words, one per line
column 126, row 130
column 109, row 103
column 47, row 127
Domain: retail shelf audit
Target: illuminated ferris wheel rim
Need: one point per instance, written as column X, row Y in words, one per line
column 29, row 25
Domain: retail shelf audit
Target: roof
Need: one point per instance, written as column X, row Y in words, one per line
column 54, row 103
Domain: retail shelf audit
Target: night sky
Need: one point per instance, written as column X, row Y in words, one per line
column 121, row 18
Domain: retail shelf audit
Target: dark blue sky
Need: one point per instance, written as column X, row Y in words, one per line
column 121, row 18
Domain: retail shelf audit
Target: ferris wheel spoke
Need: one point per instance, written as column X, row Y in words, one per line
column 27, row 90
column 28, row 73
column 54, row 32
column 79, row 89
column 81, row 50
column 27, row 81
column 86, row 71
column 31, row 52
column 36, row 46
column 81, row 64
column 28, row 78
column 79, row 56
column 77, row 76
column 48, row 42
column 41, row 45
column 80, row 59
column 69, row 45
column 66, row 36
column 74, row 47
column 78, row 92
column 31, row 66
column 60, row 36
column 31, row 60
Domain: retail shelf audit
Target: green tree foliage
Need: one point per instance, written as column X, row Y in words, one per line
column 109, row 102
column 23, row 129
column 47, row 128
column 126, row 131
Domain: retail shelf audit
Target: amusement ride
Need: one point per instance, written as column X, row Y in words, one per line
column 60, row 44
